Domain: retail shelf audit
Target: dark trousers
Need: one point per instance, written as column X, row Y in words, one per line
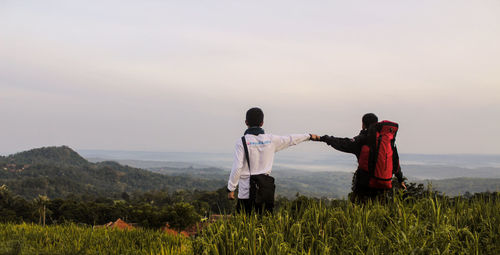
column 248, row 205
column 361, row 192
column 244, row 205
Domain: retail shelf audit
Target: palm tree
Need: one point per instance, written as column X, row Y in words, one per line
column 41, row 204
column 5, row 194
column 4, row 189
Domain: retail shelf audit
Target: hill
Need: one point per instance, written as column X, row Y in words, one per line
column 449, row 172
column 60, row 171
column 289, row 182
column 59, row 156
column 460, row 186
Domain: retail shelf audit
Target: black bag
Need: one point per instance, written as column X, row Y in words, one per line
column 262, row 186
column 262, row 189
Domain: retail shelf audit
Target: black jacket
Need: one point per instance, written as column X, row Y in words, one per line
column 353, row 145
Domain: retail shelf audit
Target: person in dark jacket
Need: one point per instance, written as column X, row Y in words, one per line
column 360, row 189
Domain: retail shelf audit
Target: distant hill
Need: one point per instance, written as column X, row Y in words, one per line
column 459, row 186
column 60, row 156
column 60, row 171
column 289, row 182
column 338, row 184
column 449, row 172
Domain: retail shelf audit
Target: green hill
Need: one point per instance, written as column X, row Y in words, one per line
column 60, row 156
column 60, row 171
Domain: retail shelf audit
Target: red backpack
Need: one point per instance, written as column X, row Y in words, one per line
column 376, row 157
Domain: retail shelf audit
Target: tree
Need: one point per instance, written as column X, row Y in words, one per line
column 41, row 206
column 182, row 215
column 4, row 193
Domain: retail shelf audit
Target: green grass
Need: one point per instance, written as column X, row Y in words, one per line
column 425, row 226
column 73, row 239
column 429, row 225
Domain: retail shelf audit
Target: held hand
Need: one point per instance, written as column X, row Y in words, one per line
column 315, row 137
column 230, row 195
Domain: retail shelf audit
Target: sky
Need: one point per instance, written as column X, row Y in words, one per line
column 179, row 75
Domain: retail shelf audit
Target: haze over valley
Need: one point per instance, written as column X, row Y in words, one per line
column 332, row 172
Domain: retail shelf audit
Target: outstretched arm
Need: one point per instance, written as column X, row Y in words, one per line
column 283, row 142
column 349, row 145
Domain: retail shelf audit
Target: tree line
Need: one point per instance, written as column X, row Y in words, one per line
column 153, row 209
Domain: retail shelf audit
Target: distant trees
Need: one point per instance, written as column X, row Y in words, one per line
column 154, row 209
column 180, row 209
column 182, row 215
column 13, row 208
column 59, row 179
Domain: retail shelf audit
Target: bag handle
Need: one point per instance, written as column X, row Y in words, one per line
column 246, row 152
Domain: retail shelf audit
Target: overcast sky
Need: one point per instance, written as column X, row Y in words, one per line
column 179, row 75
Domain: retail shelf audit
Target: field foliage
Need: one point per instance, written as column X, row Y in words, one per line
column 74, row 239
column 427, row 225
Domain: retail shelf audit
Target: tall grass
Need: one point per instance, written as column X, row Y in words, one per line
column 73, row 239
column 429, row 225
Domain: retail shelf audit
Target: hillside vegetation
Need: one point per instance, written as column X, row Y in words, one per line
column 417, row 221
column 427, row 225
column 60, row 171
column 77, row 239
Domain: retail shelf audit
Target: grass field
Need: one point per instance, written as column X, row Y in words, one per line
column 424, row 226
column 427, row 225
column 74, row 239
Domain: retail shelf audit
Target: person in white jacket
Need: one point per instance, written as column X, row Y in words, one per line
column 261, row 148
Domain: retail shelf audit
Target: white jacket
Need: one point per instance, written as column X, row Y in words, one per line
column 261, row 151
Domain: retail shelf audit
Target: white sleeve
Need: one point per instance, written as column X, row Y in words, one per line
column 283, row 142
column 234, row 177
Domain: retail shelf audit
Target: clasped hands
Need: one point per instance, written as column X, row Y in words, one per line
column 315, row 137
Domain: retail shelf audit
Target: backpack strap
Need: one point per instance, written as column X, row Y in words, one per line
column 374, row 145
column 246, row 152
column 374, row 157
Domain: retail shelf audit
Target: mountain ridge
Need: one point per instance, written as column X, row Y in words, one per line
column 60, row 171
column 58, row 155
